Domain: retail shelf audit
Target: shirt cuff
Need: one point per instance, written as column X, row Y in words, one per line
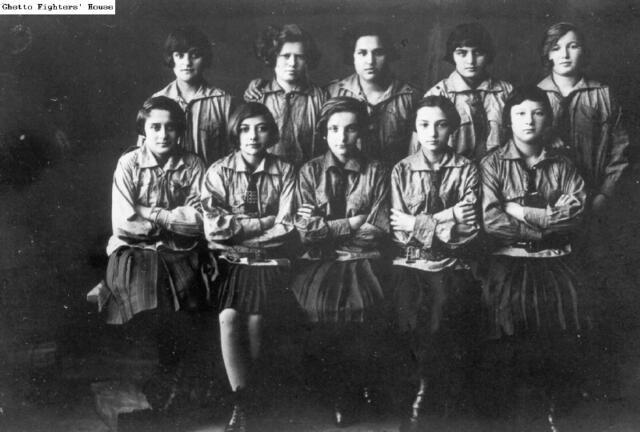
column 250, row 226
column 528, row 233
column 339, row 227
column 536, row 216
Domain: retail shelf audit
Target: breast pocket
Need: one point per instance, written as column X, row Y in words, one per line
column 358, row 204
column 414, row 201
column 178, row 193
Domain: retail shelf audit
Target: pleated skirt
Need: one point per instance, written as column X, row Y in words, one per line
column 338, row 291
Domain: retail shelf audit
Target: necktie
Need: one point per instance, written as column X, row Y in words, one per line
column 479, row 120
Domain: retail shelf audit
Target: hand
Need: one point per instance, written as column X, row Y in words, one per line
column 599, row 203
column 254, row 91
column 465, row 212
column 402, row 221
column 356, row 222
column 267, row 222
column 306, row 210
column 514, row 210
column 567, row 200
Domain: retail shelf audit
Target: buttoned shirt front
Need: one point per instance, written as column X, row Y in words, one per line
column 207, row 116
column 296, row 113
column 391, row 131
column 366, row 192
column 597, row 140
column 505, row 178
column 224, row 192
column 412, row 183
column 171, row 191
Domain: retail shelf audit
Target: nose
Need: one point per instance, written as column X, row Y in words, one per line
column 432, row 132
column 529, row 118
column 472, row 59
column 566, row 52
column 291, row 61
column 162, row 132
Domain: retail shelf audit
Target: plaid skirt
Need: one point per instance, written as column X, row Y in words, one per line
column 136, row 279
column 338, row 291
column 249, row 289
column 533, row 295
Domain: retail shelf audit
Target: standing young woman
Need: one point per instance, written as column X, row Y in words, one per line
column 247, row 198
column 478, row 97
column 293, row 100
column 342, row 217
column 369, row 48
column 532, row 199
column 434, row 200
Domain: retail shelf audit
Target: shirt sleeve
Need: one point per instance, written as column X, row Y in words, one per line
column 376, row 225
column 617, row 143
column 496, row 221
column 455, row 234
column 125, row 220
column 219, row 223
column 311, row 229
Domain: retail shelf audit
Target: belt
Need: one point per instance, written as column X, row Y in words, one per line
column 550, row 242
column 414, row 253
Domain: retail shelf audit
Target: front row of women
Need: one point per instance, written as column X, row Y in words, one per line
column 334, row 219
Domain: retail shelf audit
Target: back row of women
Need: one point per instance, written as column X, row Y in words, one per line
column 313, row 184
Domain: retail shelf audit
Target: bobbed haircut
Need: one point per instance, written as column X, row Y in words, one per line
column 351, row 35
column 342, row 104
column 161, row 103
column 553, row 35
column 447, row 107
column 519, row 95
column 248, row 110
column 469, row 35
column 185, row 39
column 269, row 43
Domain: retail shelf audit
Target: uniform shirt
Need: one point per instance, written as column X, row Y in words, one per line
column 506, row 179
column 296, row 114
column 338, row 192
column 207, row 116
column 491, row 94
column 589, row 120
column 391, row 131
column 172, row 192
column 227, row 221
column 419, row 190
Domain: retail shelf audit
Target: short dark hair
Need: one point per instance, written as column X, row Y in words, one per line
column 469, row 35
column 519, row 95
column 351, row 35
column 269, row 43
column 162, row 103
column 342, row 104
column 551, row 37
column 247, row 110
column 185, row 39
column 447, row 107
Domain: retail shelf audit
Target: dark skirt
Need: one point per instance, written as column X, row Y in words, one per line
column 338, row 291
column 533, row 296
column 249, row 289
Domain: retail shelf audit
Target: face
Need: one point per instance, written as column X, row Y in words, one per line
column 471, row 62
column 188, row 66
column 566, row 55
column 370, row 58
column 528, row 121
column 432, row 128
column 291, row 63
column 342, row 133
column 161, row 136
column 254, row 136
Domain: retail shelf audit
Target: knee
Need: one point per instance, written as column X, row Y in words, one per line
column 229, row 320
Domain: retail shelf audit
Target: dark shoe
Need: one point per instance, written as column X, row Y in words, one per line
column 238, row 420
column 413, row 424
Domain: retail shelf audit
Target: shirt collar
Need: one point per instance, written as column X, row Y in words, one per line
column 548, row 84
column 418, row 161
column 274, row 87
column 356, row 163
column 396, row 88
column 205, row 91
column 268, row 164
column 510, row 152
column 148, row 160
column 457, row 84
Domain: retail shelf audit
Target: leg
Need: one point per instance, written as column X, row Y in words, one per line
column 234, row 350
column 254, row 325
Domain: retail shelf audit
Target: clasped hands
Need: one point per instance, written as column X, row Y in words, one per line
column 464, row 212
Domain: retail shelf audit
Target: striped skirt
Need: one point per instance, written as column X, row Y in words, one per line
column 338, row 291
column 533, row 295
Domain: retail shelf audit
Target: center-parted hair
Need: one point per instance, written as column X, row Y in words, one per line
column 351, row 35
column 248, row 110
column 553, row 35
column 447, row 107
column 161, row 103
column 342, row 104
column 269, row 43
column 469, row 35
column 185, row 39
column 519, row 95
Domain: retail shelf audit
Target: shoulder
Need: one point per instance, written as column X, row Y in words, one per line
column 491, row 159
column 193, row 161
column 338, row 86
column 129, row 159
column 375, row 168
column 439, row 89
column 221, row 165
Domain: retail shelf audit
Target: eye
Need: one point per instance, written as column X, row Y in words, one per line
column 333, row 129
column 170, row 127
column 361, row 53
column 243, row 129
column 352, row 128
column 539, row 113
column 443, row 124
column 555, row 48
column 263, row 128
column 575, row 46
column 460, row 53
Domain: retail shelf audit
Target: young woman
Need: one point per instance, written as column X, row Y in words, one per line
column 187, row 51
column 434, row 200
column 157, row 227
column 342, row 217
column 247, row 198
column 478, row 97
column 293, row 100
column 369, row 48
column 532, row 199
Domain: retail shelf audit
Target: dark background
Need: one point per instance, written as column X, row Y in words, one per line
column 87, row 76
